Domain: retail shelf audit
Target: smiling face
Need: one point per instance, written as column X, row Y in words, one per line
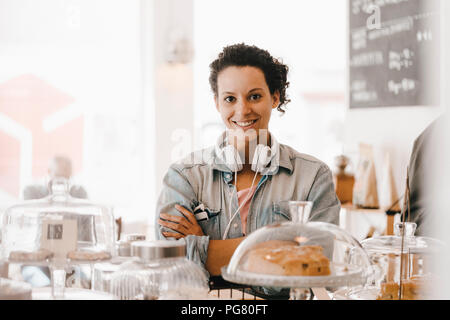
column 244, row 101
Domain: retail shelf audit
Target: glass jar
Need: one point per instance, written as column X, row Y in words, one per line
column 385, row 253
column 299, row 255
column 58, row 231
column 102, row 272
column 159, row 270
column 124, row 246
column 399, row 261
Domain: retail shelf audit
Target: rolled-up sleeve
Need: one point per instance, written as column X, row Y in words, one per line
column 177, row 190
column 326, row 205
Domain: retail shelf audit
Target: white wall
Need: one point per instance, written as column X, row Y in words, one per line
column 172, row 88
column 167, row 101
column 389, row 130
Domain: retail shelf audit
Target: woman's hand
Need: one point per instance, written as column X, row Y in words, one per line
column 184, row 226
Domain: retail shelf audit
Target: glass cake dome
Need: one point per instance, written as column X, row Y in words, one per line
column 57, row 227
column 299, row 254
column 397, row 259
column 57, row 231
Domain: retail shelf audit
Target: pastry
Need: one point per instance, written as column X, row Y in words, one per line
column 88, row 256
column 413, row 289
column 288, row 260
column 27, row 256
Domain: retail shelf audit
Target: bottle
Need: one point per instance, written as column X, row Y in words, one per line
column 343, row 181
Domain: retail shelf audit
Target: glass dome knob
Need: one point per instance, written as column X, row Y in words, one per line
column 59, row 187
column 300, row 211
column 408, row 227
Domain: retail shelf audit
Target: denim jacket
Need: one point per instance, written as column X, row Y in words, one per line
column 200, row 179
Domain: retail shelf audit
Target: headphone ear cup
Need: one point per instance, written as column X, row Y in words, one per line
column 231, row 158
column 261, row 158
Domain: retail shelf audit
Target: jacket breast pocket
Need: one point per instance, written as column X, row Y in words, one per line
column 280, row 211
column 211, row 225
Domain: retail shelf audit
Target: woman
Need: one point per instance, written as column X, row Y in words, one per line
column 244, row 182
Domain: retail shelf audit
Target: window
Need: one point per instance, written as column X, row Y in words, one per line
column 71, row 84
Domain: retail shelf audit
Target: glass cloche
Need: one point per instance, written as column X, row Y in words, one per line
column 399, row 262
column 159, row 271
column 57, row 231
column 299, row 255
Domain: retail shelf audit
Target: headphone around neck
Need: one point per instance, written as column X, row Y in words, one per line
column 228, row 155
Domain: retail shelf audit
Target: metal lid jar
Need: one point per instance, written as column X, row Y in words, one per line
column 102, row 272
column 159, row 270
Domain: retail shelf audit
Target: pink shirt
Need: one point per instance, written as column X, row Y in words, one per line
column 247, row 195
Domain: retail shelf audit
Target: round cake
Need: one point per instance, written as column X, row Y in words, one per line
column 287, row 260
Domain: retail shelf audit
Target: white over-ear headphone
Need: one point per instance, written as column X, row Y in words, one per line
column 261, row 158
column 229, row 156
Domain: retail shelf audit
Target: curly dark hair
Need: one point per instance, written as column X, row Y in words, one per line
column 275, row 72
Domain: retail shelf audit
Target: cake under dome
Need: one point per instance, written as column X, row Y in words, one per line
column 57, row 231
column 299, row 254
column 57, row 227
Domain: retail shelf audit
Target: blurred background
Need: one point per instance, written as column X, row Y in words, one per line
column 121, row 88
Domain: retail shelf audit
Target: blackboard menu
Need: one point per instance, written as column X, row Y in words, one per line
column 394, row 55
